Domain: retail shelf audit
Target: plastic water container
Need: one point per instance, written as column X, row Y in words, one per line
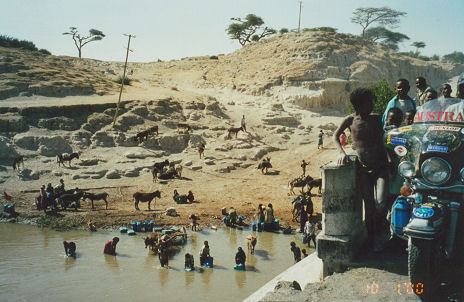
column 239, row 267
column 400, row 215
column 152, row 224
column 209, row 262
column 175, row 229
column 145, row 226
column 123, row 230
column 227, row 221
column 134, row 226
column 5, row 208
column 240, row 220
column 139, row 226
column 167, row 232
column 130, row 233
column 261, row 226
column 276, row 224
column 158, row 229
column 253, row 226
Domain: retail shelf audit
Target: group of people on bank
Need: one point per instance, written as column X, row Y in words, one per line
column 377, row 169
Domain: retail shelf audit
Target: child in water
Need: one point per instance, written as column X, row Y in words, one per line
column 69, row 248
column 367, row 134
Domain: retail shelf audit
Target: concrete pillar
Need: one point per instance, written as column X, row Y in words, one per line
column 343, row 229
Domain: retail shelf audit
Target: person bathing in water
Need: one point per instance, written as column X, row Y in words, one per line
column 366, row 132
column 110, row 246
column 69, row 248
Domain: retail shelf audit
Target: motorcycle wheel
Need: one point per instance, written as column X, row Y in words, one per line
column 423, row 265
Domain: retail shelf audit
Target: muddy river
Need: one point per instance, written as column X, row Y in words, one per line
column 33, row 267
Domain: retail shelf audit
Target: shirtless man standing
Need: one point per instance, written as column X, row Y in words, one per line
column 366, row 132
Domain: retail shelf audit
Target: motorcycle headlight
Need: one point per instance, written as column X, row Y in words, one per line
column 406, row 169
column 436, row 171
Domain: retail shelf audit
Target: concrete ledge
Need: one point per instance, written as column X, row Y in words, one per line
column 308, row 270
column 335, row 248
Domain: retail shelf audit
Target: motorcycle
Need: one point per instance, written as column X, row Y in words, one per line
column 430, row 153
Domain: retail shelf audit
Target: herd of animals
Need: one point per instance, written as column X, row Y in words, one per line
column 161, row 170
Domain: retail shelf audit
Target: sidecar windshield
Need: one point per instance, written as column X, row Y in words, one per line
column 441, row 110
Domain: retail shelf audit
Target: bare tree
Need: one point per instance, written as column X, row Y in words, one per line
column 385, row 16
column 80, row 41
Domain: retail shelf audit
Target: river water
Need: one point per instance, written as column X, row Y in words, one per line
column 33, row 266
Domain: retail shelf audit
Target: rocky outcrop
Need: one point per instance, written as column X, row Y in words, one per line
column 127, row 120
column 13, row 123
column 59, row 123
column 102, row 139
column 81, row 138
column 174, row 143
column 7, row 151
column 96, row 121
column 53, row 145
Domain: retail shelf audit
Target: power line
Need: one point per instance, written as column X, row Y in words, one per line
column 123, row 77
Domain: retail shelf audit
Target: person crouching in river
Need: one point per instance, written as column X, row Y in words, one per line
column 189, row 262
column 204, row 253
column 163, row 256
column 240, row 257
column 69, row 248
column 110, row 247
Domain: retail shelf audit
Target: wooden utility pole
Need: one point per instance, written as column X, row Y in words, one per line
column 123, row 78
column 299, row 17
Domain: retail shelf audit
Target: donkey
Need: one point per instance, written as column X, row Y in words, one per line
column 265, row 165
column 70, row 200
column 143, row 135
column 158, row 168
column 301, row 181
column 144, row 197
column 17, row 161
column 61, row 158
column 102, row 196
column 235, row 131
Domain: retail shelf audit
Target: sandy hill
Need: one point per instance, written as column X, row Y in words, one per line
column 309, row 69
column 24, row 73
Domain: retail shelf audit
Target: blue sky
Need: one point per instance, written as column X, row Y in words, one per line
column 184, row 28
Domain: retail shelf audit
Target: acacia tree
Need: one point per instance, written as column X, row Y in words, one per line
column 418, row 45
column 80, row 41
column 385, row 36
column 248, row 29
column 385, row 16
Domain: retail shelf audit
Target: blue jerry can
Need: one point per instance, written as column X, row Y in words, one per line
column 400, row 215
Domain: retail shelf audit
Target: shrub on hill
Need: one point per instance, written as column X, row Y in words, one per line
column 456, row 56
column 127, row 80
column 44, row 51
column 7, row 41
